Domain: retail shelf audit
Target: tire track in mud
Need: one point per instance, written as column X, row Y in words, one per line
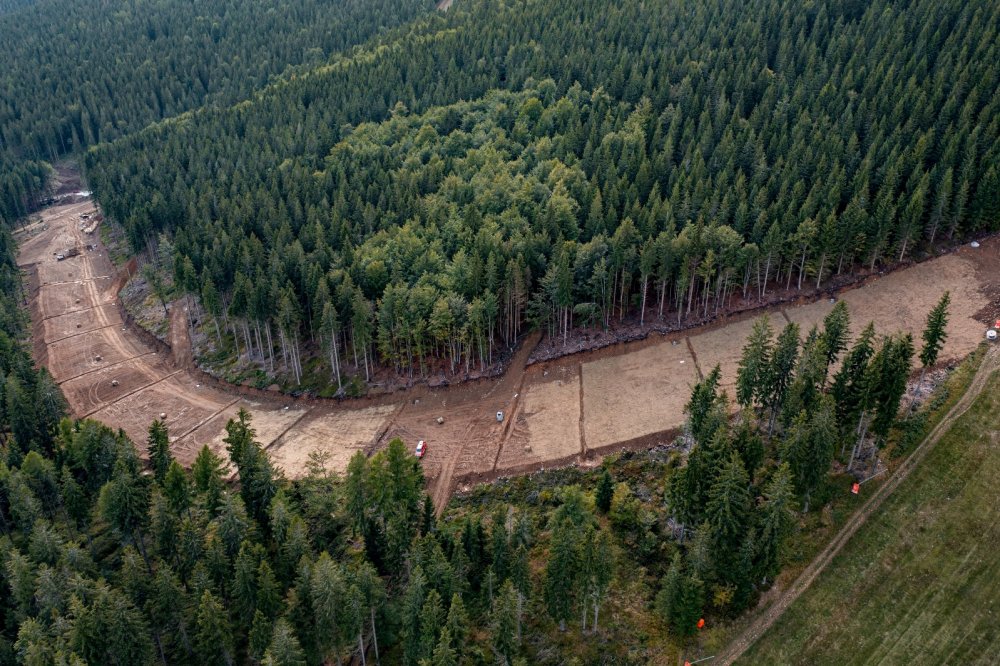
column 760, row 626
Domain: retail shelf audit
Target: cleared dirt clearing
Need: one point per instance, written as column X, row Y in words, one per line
column 338, row 435
column 624, row 395
column 547, row 425
column 642, row 392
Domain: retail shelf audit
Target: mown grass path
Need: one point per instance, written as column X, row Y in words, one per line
column 832, row 641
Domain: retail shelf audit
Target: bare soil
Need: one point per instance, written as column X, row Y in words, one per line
column 637, row 393
column 555, row 412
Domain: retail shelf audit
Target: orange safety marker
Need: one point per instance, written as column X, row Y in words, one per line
column 856, row 488
column 701, row 623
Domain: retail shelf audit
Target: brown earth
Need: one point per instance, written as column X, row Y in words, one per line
column 556, row 412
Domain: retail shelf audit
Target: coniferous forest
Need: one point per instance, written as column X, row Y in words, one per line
column 593, row 171
column 380, row 184
column 76, row 73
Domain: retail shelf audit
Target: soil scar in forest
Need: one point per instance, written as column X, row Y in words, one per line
column 629, row 395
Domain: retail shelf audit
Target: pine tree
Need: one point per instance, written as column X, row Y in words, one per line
column 601, row 573
column 158, row 446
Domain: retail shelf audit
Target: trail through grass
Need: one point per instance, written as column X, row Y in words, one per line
column 919, row 583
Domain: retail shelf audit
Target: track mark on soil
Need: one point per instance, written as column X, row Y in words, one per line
column 81, row 281
column 274, row 442
column 206, row 419
column 73, row 335
column 760, row 626
column 785, row 315
column 180, row 336
column 105, row 367
column 132, row 392
column 442, row 490
column 69, row 312
column 694, row 357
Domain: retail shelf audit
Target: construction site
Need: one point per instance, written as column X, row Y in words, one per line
column 568, row 410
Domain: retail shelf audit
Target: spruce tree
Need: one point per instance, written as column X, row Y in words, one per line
column 560, row 573
column 213, row 638
column 728, row 512
column 704, row 400
column 836, row 328
column 432, row 619
column 158, row 446
column 207, row 472
column 849, row 382
column 934, row 335
column 503, row 624
column 605, row 490
column 326, row 593
column 457, row 623
column 688, row 609
column 752, row 374
column 285, row 649
column 779, row 372
column 259, row 637
column 176, row 488
column 668, row 598
column 775, row 518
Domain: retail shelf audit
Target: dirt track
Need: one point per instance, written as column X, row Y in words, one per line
column 556, row 412
column 757, row 629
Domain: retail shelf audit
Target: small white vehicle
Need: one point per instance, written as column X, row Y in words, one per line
column 421, row 449
column 499, row 417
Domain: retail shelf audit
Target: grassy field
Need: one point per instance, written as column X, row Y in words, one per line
column 920, row 582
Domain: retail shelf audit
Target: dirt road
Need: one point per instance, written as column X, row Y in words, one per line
column 990, row 364
column 556, row 412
